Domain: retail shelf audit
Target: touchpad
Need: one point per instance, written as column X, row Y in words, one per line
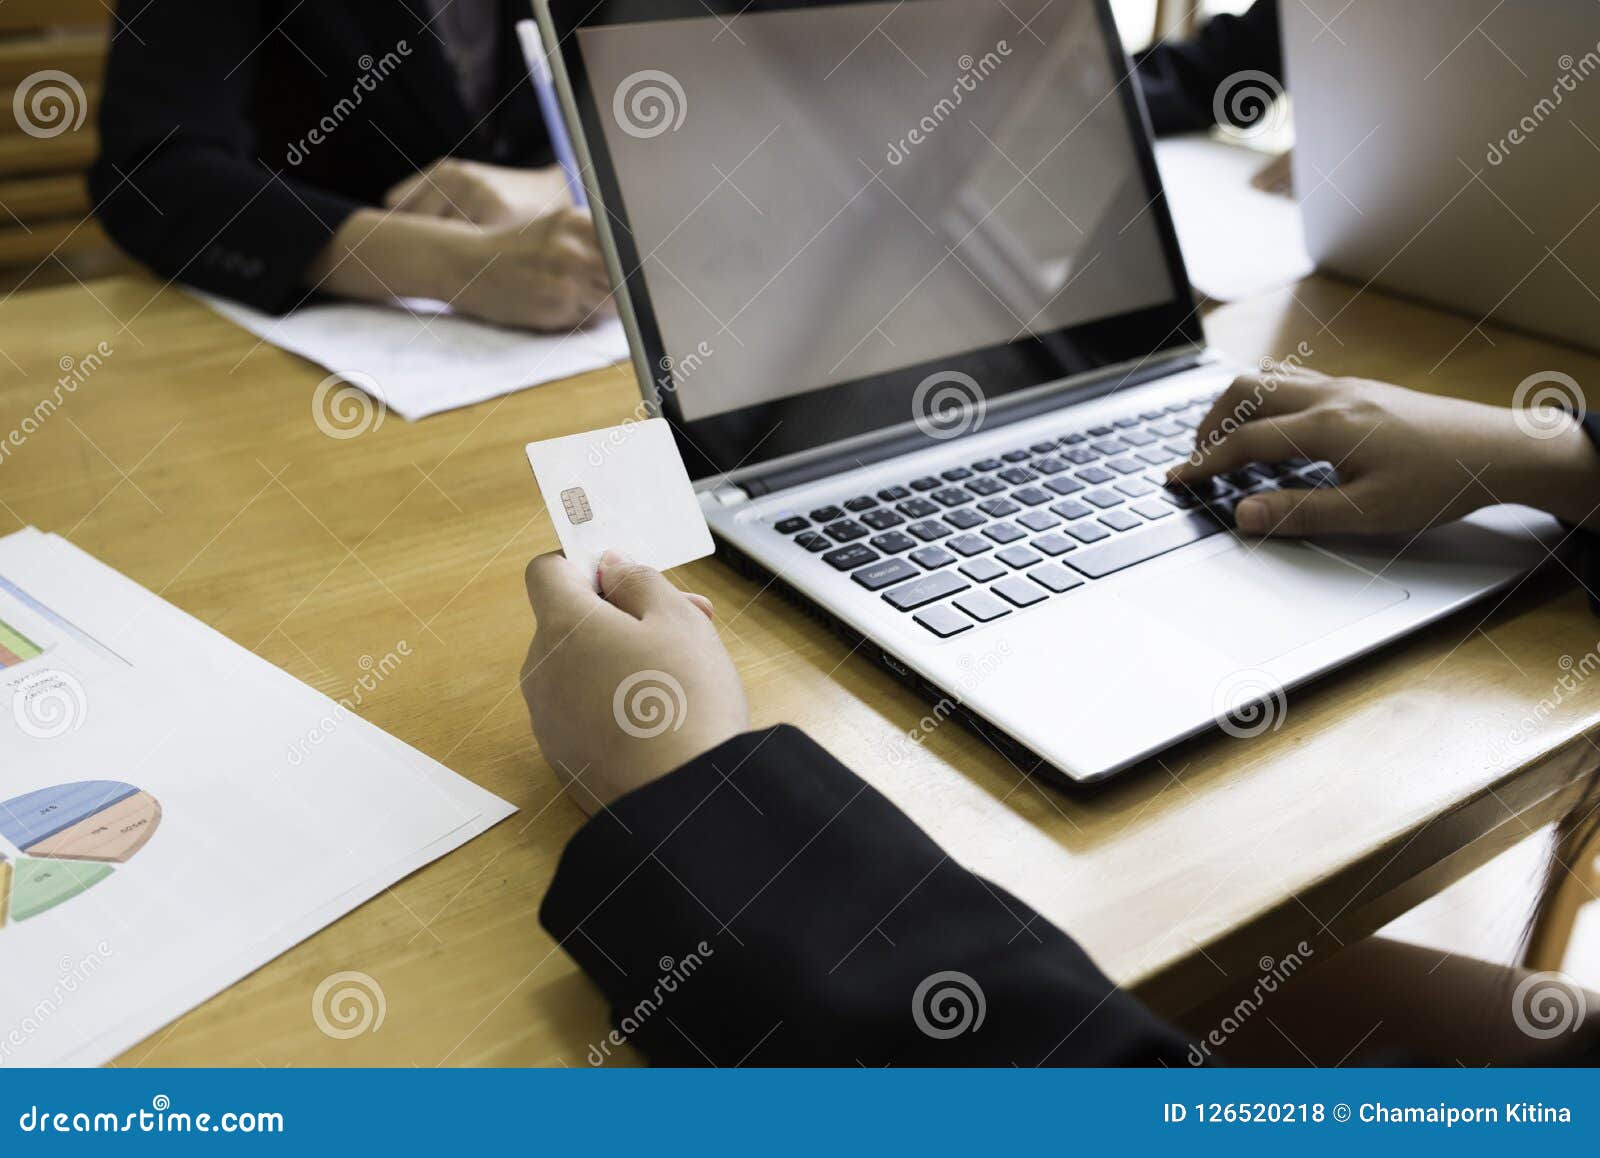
column 1256, row 601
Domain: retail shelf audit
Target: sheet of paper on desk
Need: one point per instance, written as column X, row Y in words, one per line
column 422, row 358
column 1237, row 240
column 175, row 812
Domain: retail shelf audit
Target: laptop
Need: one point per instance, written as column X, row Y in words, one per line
column 902, row 280
column 1462, row 170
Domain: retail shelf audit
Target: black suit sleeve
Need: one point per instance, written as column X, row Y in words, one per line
column 177, row 185
column 764, row 905
column 1180, row 80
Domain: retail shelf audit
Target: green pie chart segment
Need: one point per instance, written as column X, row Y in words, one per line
column 40, row 885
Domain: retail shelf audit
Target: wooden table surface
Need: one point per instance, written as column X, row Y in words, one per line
column 190, row 461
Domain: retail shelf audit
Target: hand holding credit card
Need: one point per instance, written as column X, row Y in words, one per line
column 623, row 489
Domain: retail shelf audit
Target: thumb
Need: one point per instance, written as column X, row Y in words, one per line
column 639, row 590
column 1298, row 513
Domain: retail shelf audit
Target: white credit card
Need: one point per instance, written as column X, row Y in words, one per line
column 624, row 489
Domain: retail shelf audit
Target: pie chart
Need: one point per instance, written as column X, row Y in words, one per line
column 58, row 843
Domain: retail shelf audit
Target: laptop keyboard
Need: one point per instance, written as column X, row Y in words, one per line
column 983, row 540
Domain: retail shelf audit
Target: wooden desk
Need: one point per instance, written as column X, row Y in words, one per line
column 190, row 461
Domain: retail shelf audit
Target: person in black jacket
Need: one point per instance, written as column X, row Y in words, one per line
column 742, row 897
column 1185, row 82
column 268, row 149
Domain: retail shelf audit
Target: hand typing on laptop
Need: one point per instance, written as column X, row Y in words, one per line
column 1405, row 460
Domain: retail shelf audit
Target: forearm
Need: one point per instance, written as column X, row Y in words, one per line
column 377, row 255
column 1546, row 464
column 823, row 927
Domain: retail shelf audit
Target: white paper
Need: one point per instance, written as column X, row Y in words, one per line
column 278, row 811
column 420, row 359
column 1237, row 240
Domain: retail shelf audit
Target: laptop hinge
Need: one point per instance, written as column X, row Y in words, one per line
column 825, row 465
column 729, row 494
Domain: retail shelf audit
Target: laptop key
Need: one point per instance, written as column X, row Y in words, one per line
column 1095, row 475
column 988, row 464
column 1098, row 562
column 982, row 569
column 943, row 621
column 812, row 541
column 1017, row 475
column 1038, row 521
column 1073, row 439
column 1015, row 456
column 1135, row 488
column 791, row 525
column 1167, row 429
column 887, row 573
column 1053, row 545
column 1152, row 415
column 1018, row 591
column 955, row 474
column 952, row 496
column 1126, row 423
column 1033, row 496
column 926, row 483
column 826, row 514
column 928, row 530
column 928, row 589
column 1071, row 509
column 851, row 557
column 932, row 558
column 861, row 503
column 1137, row 438
column 1109, row 446
column 1065, row 485
column 1017, row 557
column 845, row 531
column 1081, row 455
column 1126, row 465
column 982, row 606
column 999, row 508
column 986, row 485
column 964, row 519
column 1042, row 447
column 893, row 543
column 969, row 545
column 1005, row 532
column 1153, row 509
column 1101, row 431
column 1121, row 520
column 918, row 508
column 1103, row 499
column 1055, row 577
column 1088, row 532
column 894, row 494
column 881, row 519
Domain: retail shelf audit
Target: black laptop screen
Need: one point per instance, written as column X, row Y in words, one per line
column 836, row 218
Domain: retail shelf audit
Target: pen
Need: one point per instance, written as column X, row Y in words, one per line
column 544, row 85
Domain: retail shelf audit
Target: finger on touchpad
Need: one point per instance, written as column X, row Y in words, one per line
column 1254, row 603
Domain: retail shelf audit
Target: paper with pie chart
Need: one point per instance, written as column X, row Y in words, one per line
column 58, row 843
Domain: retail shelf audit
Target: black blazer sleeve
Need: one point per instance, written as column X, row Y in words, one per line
column 764, row 905
column 1180, row 80
column 177, row 185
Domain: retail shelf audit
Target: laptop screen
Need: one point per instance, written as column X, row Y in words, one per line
column 819, row 207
